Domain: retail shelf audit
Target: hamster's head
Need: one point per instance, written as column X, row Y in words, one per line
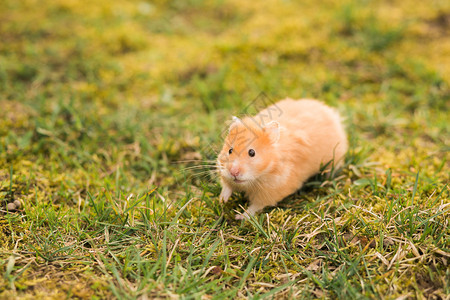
column 249, row 152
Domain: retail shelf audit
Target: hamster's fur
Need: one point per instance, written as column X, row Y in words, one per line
column 270, row 156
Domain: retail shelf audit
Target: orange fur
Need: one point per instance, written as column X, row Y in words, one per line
column 289, row 146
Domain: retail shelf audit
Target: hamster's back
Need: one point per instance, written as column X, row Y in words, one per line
column 315, row 123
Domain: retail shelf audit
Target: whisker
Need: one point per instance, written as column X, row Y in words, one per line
column 195, row 172
column 202, row 176
column 201, row 167
column 204, row 165
column 190, row 160
column 203, row 172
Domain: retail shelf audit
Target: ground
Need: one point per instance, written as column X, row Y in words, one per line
column 112, row 113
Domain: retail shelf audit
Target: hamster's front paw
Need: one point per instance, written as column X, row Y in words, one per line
column 225, row 194
column 251, row 211
column 243, row 216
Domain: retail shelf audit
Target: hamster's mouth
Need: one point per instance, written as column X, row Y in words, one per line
column 238, row 181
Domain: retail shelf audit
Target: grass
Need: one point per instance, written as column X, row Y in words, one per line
column 103, row 103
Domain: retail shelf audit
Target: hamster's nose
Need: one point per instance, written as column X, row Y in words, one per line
column 234, row 171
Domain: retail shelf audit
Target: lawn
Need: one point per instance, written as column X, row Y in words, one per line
column 111, row 113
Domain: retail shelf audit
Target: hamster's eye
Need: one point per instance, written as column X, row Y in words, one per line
column 230, row 151
column 251, row 152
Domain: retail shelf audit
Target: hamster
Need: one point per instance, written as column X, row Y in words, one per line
column 269, row 156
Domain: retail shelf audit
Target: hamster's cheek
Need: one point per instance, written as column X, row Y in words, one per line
column 255, row 167
column 246, row 173
column 221, row 157
column 251, row 176
column 224, row 171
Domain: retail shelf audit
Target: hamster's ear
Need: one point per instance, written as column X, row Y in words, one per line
column 235, row 121
column 273, row 131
